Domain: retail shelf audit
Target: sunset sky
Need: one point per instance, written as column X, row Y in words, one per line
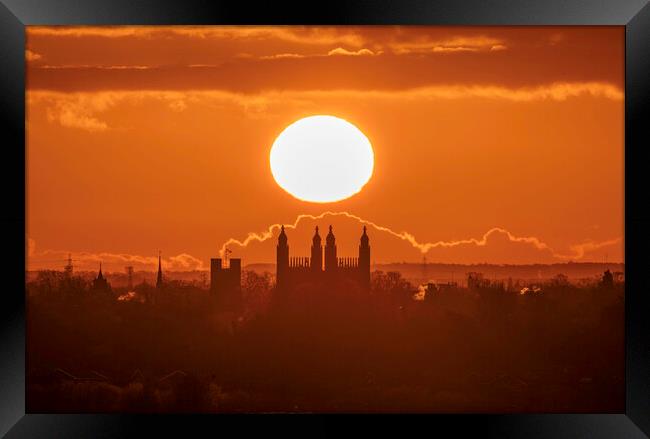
column 491, row 144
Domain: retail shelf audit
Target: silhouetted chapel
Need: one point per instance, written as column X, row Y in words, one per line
column 316, row 270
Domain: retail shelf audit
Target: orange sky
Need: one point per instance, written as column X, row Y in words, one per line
column 492, row 144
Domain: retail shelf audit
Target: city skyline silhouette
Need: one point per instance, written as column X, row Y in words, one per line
column 325, row 219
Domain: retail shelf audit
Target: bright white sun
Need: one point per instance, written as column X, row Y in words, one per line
column 322, row 159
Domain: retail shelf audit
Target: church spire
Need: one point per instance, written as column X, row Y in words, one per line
column 282, row 260
column 100, row 283
column 316, row 239
column 159, row 279
column 364, row 238
column 282, row 238
column 330, row 240
column 364, row 260
column 316, row 262
column 330, row 252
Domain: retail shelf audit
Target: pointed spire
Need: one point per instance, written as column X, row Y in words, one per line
column 316, row 239
column 282, row 238
column 330, row 237
column 159, row 278
column 364, row 238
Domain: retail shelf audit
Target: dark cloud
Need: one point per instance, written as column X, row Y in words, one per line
column 248, row 60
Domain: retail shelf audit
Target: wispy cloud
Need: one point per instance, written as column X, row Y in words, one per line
column 79, row 113
column 95, row 66
column 438, row 49
column 578, row 251
column 71, row 117
column 346, row 52
column 32, row 56
column 449, row 45
column 293, row 34
column 83, row 110
column 340, row 37
column 339, row 51
column 445, row 249
column 112, row 261
column 283, row 56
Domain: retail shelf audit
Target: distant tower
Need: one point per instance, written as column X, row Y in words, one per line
column 330, row 252
column 129, row 272
column 225, row 282
column 316, row 253
column 159, row 279
column 282, row 260
column 364, row 260
column 68, row 268
column 100, row 282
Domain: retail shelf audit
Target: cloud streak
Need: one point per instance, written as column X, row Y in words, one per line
column 293, row 34
column 339, row 51
column 449, row 45
column 94, row 66
column 345, row 52
column 286, row 56
column 82, row 110
column 90, row 260
column 578, row 250
column 32, row 56
column 187, row 262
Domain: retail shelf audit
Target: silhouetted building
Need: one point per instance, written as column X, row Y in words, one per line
column 100, row 283
column 433, row 288
column 608, row 279
column 316, row 270
column 225, row 282
column 159, row 278
column 476, row 281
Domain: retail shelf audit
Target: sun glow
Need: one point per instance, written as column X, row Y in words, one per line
column 322, row 159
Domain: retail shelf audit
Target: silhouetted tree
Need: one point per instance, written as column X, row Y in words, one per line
column 608, row 279
column 256, row 290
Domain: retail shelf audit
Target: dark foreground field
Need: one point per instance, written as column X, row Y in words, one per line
column 459, row 350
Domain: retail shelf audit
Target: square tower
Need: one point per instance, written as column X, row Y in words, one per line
column 225, row 282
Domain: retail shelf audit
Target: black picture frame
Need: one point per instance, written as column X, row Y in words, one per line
column 633, row 14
